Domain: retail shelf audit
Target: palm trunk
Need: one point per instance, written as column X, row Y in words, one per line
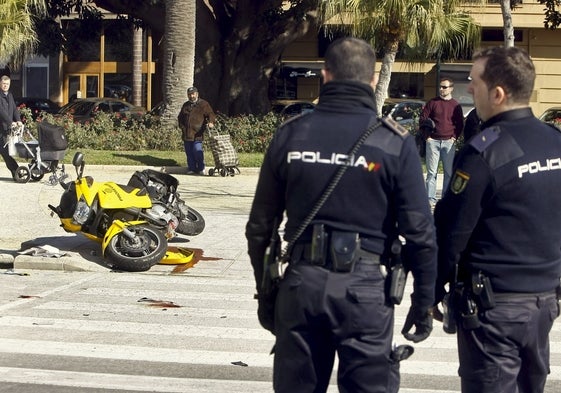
column 385, row 76
column 179, row 56
column 508, row 28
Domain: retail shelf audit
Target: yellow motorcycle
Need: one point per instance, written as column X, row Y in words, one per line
column 133, row 235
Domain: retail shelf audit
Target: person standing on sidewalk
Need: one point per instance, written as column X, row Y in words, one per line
column 499, row 232
column 448, row 118
column 9, row 115
column 333, row 298
column 195, row 116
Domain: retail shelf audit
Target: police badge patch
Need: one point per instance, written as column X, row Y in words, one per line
column 459, row 181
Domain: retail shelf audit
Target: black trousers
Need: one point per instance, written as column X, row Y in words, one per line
column 320, row 313
column 11, row 164
column 509, row 352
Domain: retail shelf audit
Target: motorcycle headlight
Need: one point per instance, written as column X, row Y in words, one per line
column 82, row 212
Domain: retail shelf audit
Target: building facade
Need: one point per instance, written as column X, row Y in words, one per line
column 116, row 62
column 299, row 77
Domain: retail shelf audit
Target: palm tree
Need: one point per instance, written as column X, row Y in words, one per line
column 17, row 35
column 424, row 29
column 179, row 53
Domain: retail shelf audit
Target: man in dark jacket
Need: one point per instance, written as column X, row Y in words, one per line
column 9, row 115
column 332, row 298
column 499, row 232
column 196, row 114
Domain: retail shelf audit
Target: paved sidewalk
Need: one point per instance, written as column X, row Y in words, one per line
column 224, row 202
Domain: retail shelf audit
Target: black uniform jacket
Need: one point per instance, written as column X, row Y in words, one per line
column 381, row 195
column 502, row 212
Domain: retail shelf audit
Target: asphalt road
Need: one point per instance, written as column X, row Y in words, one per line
column 70, row 324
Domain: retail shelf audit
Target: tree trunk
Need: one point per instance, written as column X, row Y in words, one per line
column 385, row 76
column 179, row 56
column 137, row 93
column 237, row 51
column 508, row 28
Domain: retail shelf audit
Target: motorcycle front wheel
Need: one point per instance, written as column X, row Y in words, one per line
column 139, row 252
column 191, row 222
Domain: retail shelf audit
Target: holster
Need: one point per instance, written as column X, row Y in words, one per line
column 469, row 311
column 271, row 258
column 337, row 250
column 343, row 250
column 482, row 291
column 398, row 278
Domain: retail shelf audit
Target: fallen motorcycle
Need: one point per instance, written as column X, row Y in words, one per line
column 163, row 191
column 133, row 231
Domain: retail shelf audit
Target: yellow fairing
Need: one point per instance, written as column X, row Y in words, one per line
column 177, row 256
column 116, row 228
column 113, row 196
column 69, row 225
column 86, row 188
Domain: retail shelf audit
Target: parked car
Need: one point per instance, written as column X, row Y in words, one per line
column 404, row 111
column 552, row 116
column 37, row 105
column 123, row 92
column 157, row 110
column 287, row 109
column 83, row 110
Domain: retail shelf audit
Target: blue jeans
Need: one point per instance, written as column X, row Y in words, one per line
column 438, row 150
column 195, row 156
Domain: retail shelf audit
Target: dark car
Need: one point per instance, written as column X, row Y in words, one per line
column 552, row 116
column 83, row 110
column 123, row 92
column 405, row 112
column 157, row 110
column 288, row 109
column 37, row 105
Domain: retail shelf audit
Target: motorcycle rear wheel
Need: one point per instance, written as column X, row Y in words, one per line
column 139, row 254
column 191, row 223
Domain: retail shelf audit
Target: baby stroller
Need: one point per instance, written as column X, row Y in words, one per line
column 225, row 156
column 44, row 152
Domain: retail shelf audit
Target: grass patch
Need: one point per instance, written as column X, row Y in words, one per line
column 152, row 158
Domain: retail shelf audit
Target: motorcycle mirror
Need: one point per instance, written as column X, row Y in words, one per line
column 78, row 162
column 78, row 159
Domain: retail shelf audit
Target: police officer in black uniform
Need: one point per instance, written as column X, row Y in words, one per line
column 323, row 308
column 500, row 224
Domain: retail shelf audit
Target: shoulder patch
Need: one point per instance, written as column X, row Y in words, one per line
column 459, row 181
column 485, row 138
column 395, row 126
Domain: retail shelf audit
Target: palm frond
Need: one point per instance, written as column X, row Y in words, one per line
column 17, row 35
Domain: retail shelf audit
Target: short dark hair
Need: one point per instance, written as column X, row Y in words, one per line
column 510, row 68
column 447, row 78
column 350, row 58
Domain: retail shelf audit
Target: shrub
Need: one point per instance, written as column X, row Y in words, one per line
column 106, row 131
column 249, row 133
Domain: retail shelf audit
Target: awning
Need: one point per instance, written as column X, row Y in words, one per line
column 301, row 69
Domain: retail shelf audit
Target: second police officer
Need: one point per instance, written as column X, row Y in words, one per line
column 324, row 307
column 499, row 232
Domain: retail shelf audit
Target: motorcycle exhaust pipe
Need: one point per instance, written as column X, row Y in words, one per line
column 138, row 213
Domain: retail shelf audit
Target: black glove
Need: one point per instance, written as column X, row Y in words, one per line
column 421, row 318
column 266, row 311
